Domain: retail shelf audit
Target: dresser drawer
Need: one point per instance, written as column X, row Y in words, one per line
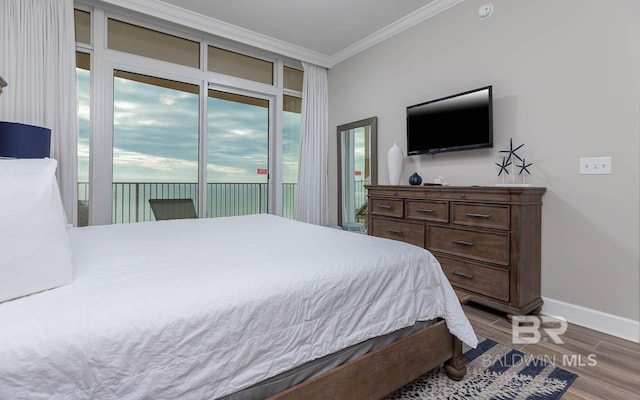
column 410, row 232
column 386, row 191
column 386, row 207
column 436, row 211
column 484, row 280
column 487, row 246
column 490, row 194
column 485, row 216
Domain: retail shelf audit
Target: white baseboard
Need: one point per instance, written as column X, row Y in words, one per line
column 597, row 320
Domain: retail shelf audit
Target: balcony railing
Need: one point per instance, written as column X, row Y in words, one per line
column 131, row 199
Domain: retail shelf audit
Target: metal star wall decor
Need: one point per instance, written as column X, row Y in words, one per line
column 512, row 151
column 503, row 166
column 523, row 167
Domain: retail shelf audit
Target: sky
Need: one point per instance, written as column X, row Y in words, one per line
column 155, row 136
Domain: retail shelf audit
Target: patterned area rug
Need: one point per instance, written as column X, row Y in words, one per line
column 494, row 372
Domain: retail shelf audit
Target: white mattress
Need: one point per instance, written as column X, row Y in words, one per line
column 197, row 309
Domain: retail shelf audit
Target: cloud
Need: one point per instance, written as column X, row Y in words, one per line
column 166, row 99
column 138, row 167
column 224, row 169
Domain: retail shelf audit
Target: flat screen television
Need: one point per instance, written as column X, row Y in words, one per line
column 462, row 121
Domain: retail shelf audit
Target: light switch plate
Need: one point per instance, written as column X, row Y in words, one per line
column 595, row 165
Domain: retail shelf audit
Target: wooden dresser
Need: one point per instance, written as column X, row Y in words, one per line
column 487, row 239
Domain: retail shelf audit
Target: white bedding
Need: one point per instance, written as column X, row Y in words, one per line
column 197, row 309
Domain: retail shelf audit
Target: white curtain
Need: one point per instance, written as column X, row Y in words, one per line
column 37, row 59
column 312, row 201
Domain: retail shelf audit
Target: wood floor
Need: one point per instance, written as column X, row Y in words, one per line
column 608, row 367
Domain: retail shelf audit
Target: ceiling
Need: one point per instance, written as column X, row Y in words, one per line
column 325, row 26
column 322, row 31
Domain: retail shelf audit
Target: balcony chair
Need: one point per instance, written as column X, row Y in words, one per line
column 164, row 209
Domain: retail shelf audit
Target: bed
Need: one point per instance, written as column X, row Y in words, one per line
column 211, row 308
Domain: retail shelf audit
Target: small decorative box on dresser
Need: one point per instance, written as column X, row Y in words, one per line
column 487, row 239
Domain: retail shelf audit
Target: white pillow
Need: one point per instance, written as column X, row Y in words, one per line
column 34, row 247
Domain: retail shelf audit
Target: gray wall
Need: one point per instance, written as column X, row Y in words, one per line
column 566, row 83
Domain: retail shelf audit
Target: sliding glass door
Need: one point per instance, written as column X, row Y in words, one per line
column 155, row 151
column 237, row 154
column 155, row 148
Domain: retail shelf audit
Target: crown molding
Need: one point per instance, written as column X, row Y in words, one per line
column 410, row 20
column 177, row 15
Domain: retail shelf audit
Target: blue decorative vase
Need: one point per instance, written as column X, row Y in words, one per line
column 415, row 179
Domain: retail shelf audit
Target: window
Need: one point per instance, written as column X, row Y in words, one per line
column 149, row 132
column 82, row 21
column 293, row 79
column 145, row 42
column 241, row 66
column 290, row 153
column 83, row 88
column 292, row 107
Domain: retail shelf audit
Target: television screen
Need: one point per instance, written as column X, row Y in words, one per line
column 461, row 121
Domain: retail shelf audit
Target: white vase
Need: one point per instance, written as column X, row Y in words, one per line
column 394, row 164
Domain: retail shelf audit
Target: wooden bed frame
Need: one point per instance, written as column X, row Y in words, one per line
column 380, row 372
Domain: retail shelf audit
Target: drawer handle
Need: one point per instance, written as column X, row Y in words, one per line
column 395, row 232
column 462, row 196
column 384, row 206
column 462, row 242
column 462, row 274
column 472, row 215
column 425, row 210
